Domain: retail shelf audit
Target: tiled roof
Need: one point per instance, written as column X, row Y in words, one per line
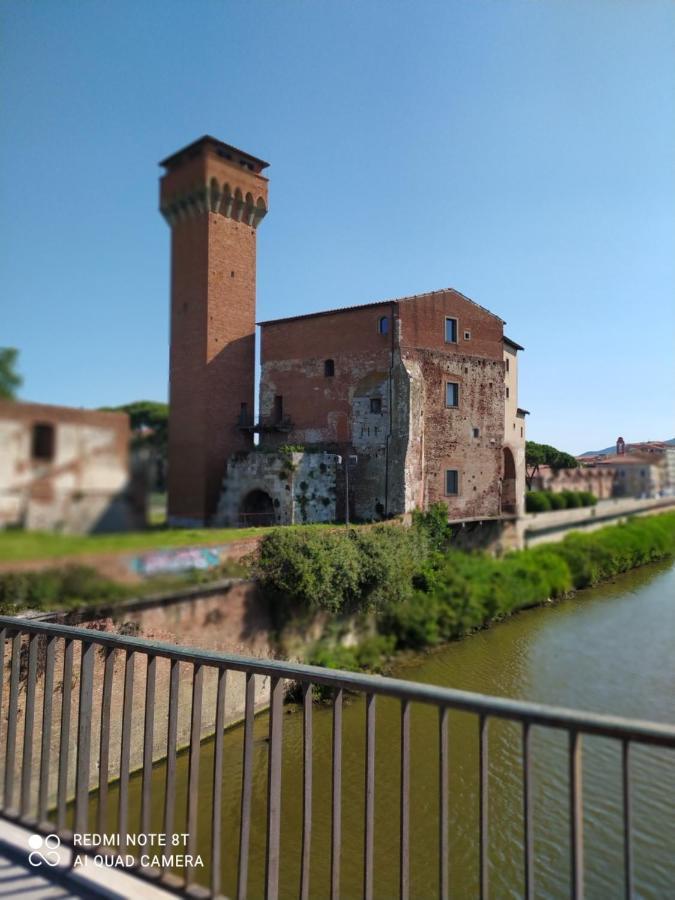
column 340, row 309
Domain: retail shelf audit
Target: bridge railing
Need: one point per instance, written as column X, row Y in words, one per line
column 33, row 649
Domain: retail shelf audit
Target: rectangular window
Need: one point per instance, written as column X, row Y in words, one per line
column 43, row 442
column 278, row 408
column 507, row 364
column 452, row 394
column 507, row 393
column 476, row 432
column 451, row 482
column 376, row 405
column 467, row 335
column 450, row 330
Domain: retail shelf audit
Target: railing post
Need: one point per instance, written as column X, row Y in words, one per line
column 217, row 801
column 576, row 816
column 246, row 787
column 443, row 788
column 28, row 726
column 64, row 743
column 125, row 748
column 336, row 805
column 483, row 806
column 627, row 810
column 12, row 714
column 104, row 741
column 193, row 766
column 171, row 736
column 307, row 738
column 370, row 799
column 46, row 744
column 528, row 814
column 404, row 879
column 84, row 738
column 274, row 789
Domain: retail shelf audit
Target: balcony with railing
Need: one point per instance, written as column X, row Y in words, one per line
column 105, row 734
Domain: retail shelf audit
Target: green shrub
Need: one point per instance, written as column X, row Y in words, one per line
column 588, row 498
column 433, row 523
column 572, row 499
column 557, row 501
column 537, row 501
column 57, row 588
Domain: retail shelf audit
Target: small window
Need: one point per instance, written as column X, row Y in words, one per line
column 383, row 325
column 452, row 394
column 507, row 393
column 243, row 414
column 278, row 408
column 507, row 364
column 467, row 335
column 451, row 482
column 521, row 432
column 476, row 432
column 450, row 330
column 329, row 368
column 376, row 405
column 43, row 442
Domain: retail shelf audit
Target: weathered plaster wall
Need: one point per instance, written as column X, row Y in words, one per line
column 83, row 485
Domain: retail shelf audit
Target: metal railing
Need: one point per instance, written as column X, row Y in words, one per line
column 34, row 648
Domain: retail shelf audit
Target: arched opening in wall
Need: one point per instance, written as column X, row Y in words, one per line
column 257, row 509
column 508, row 483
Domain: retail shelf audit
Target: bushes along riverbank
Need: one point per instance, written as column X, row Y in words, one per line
column 420, row 592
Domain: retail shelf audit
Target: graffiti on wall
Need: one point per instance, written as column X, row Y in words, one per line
column 163, row 562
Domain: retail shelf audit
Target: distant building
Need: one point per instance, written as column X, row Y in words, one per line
column 596, row 479
column 66, row 469
column 370, row 410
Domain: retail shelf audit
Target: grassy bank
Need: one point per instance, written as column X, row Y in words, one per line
column 419, row 592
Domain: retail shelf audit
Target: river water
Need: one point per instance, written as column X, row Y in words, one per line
column 610, row 649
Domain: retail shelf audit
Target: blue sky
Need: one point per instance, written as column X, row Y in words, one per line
column 522, row 152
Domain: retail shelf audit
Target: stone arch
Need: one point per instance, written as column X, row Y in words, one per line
column 226, row 200
column 509, row 499
column 249, row 215
column 257, row 508
column 214, row 195
column 238, row 208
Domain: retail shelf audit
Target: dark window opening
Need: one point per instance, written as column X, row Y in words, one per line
column 43, row 442
column 376, row 404
column 476, row 432
column 383, row 325
column 329, row 368
column 467, row 335
column 451, row 482
column 452, row 394
column 507, row 393
column 507, row 364
column 450, row 330
column 243, row 414
column 278, row 408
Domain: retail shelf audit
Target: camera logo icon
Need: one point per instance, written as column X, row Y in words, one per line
column 44, row 850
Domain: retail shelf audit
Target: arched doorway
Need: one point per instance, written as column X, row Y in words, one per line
column 257, row 509
column 508, row 483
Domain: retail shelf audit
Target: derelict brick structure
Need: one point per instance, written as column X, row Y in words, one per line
column 386, row 407
column 213, row 197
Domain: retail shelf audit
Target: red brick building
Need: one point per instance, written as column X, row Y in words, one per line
column 405, row 400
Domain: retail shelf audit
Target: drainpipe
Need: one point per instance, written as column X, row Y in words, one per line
column 391, row 409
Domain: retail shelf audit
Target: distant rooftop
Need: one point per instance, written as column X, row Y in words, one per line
column 227, row 151
column 340, row 309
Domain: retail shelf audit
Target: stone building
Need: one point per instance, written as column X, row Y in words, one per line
column 66, row 469
column 371, row 410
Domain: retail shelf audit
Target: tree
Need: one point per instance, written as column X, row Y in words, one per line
column 10, row 380
column 149, row 422
column 545, row 455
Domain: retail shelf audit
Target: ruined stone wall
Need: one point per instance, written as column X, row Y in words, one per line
column 301, row 486
column 78, row 481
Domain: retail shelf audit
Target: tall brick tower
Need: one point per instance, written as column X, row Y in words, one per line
column 213, row 197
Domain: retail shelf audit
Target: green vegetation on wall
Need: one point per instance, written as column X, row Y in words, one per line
column 420, row 591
